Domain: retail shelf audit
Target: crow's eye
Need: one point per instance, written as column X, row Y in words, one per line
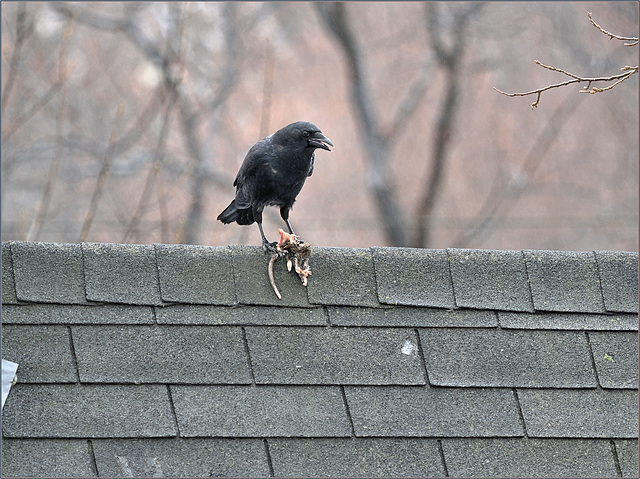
column 305, row 134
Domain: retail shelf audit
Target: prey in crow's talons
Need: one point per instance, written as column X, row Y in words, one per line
column 273, row 173
column 296, row 252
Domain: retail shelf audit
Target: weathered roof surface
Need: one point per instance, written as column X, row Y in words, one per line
column 169, row 360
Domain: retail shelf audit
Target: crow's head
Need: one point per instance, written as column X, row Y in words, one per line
column 308, row 134
column 316, row 139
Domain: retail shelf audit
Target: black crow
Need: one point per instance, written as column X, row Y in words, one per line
column 272, row 174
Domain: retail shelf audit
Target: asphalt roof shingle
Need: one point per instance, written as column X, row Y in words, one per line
column 121, row 274
column 361, row 457
column 39, row 314
column 432, row 412
column 531, row 458
column 501, row 358
column 46, row 458
column 619, row 280
column 580, row 413
column 490, row 280
column 564, row 281
column 616, row 359
column 43, row 352
column 190, row 457
column 173, row 360
column 260, row 411
column 627, row 453
column 88, row 411
column 48, row 272
column 148, row 354
column 413, row 277
column 241, row 315
column 187, row 275
column 352, row 277
column 337, row 356
column 573, row 321
column 8, row 283
column 411, row 317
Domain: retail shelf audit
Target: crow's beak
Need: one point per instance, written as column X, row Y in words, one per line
column 320, row 141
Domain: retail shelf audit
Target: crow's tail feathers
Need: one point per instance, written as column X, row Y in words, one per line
column 232, row 213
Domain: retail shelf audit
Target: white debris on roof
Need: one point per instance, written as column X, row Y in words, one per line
column 8, row 375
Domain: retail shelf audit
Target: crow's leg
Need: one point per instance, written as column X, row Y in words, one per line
column 289, row 226
column 284, row 213
column 266, row 246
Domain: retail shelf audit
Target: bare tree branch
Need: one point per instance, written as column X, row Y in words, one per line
column 628, row 71
column 172, row 85
column 169, row 60
column 335, row 18
column 43, row 207
column 198, row 173
column 450, row 58
column 24, row 28
column 103, row 175
column 125, row 25
column 410, row 103
column 26, row 115
column 634, row 40
column 152, row 175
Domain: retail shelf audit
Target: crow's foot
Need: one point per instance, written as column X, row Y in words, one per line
column 269, row 248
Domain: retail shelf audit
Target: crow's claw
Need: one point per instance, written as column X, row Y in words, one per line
column 269, row 247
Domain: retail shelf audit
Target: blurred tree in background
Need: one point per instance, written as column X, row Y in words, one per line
column 127, row 121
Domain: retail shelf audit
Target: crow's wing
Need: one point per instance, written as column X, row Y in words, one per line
column 248, row 174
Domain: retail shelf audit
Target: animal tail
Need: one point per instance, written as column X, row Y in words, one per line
column 232, row 213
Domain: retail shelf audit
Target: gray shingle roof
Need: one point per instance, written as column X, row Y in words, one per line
column 172, row 360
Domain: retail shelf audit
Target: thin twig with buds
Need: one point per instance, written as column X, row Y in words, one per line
column 627, row 71
column 634, row 40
